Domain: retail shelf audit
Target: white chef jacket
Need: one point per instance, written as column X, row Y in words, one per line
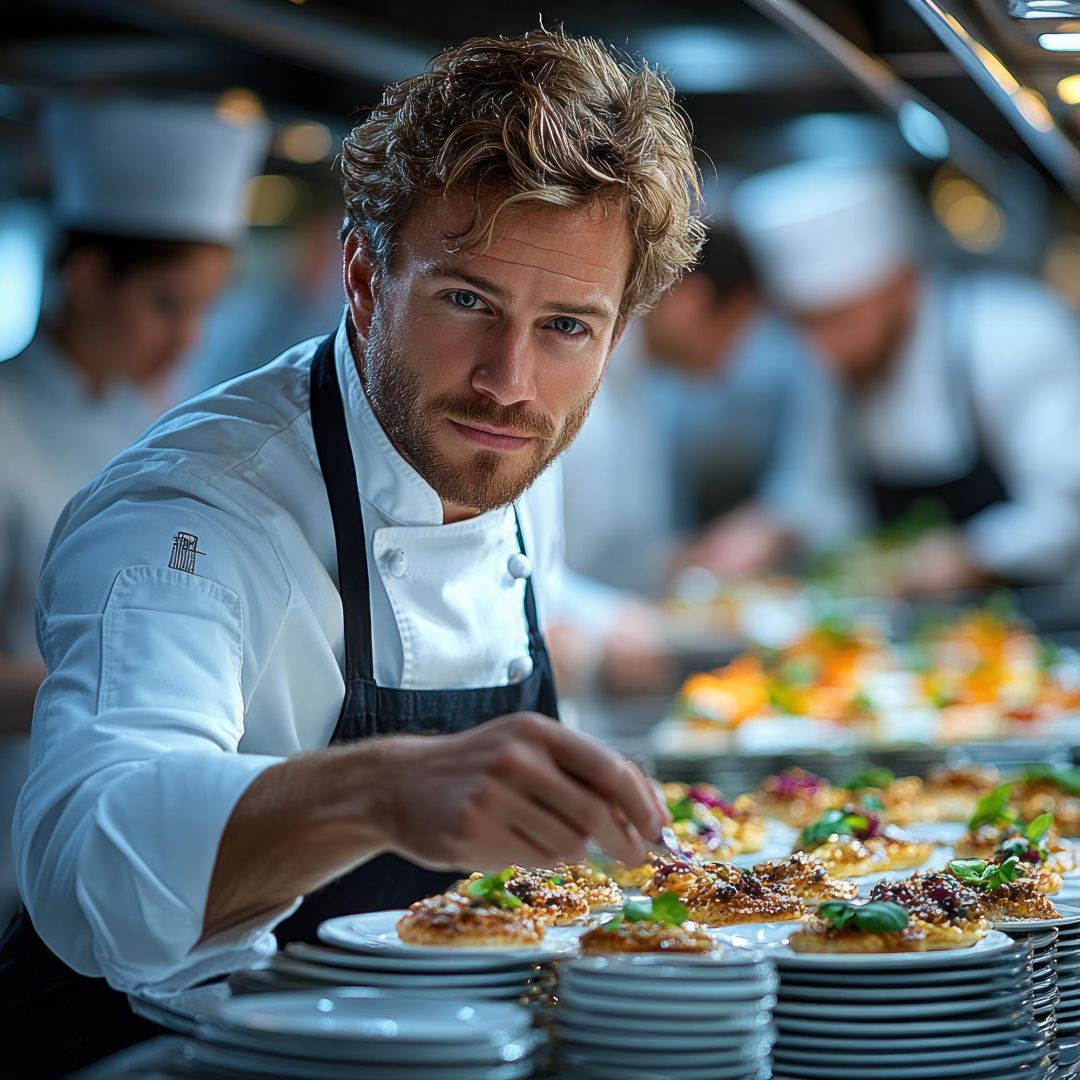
column 54, row 436
column 169, row 691
column 1017, row 350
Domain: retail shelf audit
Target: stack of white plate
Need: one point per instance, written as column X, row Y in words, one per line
column 357, row 1032
column 365, row 950
column 1040, row 940
column 666, row 1017
column 904, row 1016
column 1067, row 963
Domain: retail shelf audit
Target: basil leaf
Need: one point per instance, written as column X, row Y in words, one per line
column 556, row 879
column 983, row 875
column 872, row 777
column 832, row 822
column 638, row 911
column 872, row 802
column 993, row 808
column 492, row 888
column 668, row 908
column 875, row 917
column 682, row 809
column 1038, row 828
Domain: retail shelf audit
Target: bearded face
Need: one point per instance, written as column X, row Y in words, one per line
column 482, row 368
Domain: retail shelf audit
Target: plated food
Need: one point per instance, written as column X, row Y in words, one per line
column 599, row 889
column 852, row 842
column 551, row 899
column 1005, row 891
column 807, row 877
column 950, row 914
column 455, row 921
column 659, row 925
column 795, row 796
column 740, row 896
column 843, row 927
column 954, row 793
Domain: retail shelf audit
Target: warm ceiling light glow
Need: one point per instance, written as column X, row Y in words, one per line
column 1069, row 89
column 240, row 106
column 305, row 142
column 968, row 214
column 1060, row 42
column 270, row 199
column 1061, row 267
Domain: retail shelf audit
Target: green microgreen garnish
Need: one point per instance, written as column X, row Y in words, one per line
column 875, row 917
column 871, row 777
column 832, row 823
column 993, row 808
column 492, row 888
column 983, row 875
column 665, row 908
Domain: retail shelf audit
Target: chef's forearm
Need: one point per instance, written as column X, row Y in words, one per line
column 301, row 824
column 19, row 683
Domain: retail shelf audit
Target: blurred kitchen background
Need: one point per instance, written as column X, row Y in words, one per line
column 960, row 124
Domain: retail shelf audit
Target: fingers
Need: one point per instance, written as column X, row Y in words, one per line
column 609, row 775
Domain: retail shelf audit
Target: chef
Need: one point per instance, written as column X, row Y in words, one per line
column 293, row 635
column 147, row 207
column 959, row 393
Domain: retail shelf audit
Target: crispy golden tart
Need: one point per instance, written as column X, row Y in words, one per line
column 598, row 888
column 950, row 914
column 807, row 877
column 674, row 875
column 631, row 877
column 953, row 793
column 550, row 901
column 981, row 843
column 747, row 826
column 718, row 901
column 1019, row 899
column 454, row 921
column 646, row 937
column 795, row 796
column 819, row 937
column 902, row 851
column 846, row 857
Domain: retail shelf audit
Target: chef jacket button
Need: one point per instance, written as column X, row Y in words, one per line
column 520, row 668
column 397, row 563
column 518, row 565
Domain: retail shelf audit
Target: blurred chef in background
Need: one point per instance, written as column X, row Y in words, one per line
column 683, row 454
column 959, row 391
column 148, row 206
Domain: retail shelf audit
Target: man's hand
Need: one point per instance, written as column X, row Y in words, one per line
column 744, row 543
column 940, row 562
column 521, row 789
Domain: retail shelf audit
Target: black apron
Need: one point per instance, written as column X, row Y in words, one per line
column 974, row 490
column 53, row 1020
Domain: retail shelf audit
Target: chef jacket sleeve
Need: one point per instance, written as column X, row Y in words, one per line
column 1026, row 379
column 134, row 762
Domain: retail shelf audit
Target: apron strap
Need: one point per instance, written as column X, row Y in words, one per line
column 339, row 475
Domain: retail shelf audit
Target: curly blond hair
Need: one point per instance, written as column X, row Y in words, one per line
column 542, row 118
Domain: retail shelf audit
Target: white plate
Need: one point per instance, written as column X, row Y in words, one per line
column 903, row 978
column 766, row 935
column 698, row 990
column 637, row 1059
column 597, row 1071
column 376, row 932
column 689, row 1008
column 856, row 994
column 732, row 1024
column 227, row 1057
column 722, row 964
column 993, row 943
column 962, row 1040
column 673, row 1042
column 320, row 954
column 832, row 1071
column 986, row 1003
column 839, row 1028
column 498, row 981
column 480, row 1055
column 350, row 1018
column 1070, row 916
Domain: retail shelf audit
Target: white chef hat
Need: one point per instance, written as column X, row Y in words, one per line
column 823, row 233
column 154, row 170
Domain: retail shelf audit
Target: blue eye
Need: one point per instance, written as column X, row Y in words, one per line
column 568, row 326
column 464, row 299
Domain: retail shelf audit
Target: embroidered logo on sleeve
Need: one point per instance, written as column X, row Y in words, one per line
column 185, row 546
